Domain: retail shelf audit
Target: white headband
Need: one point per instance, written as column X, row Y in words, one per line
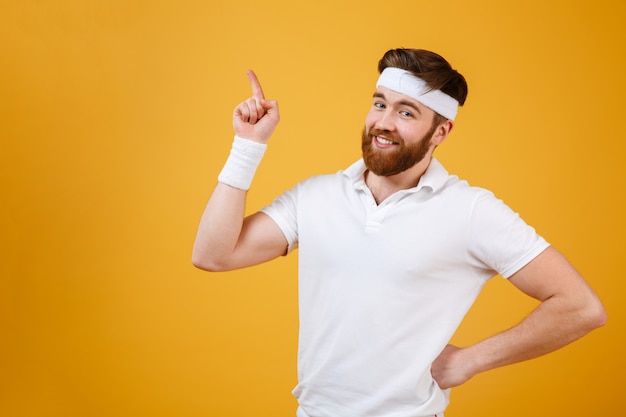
column 404, row 82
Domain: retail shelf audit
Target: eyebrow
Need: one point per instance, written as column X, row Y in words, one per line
column 401, row 102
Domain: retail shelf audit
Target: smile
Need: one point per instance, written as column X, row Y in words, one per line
column 384, row 141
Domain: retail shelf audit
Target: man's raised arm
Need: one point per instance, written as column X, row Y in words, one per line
column 225, row 240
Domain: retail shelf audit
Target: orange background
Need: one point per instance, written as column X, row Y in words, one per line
column 115, row 119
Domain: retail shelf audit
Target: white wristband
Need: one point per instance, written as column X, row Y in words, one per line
column 245, row 156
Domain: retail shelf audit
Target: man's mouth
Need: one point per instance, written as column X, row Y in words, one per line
column 384, row 141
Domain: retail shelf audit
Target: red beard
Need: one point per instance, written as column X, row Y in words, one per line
column 399, row 158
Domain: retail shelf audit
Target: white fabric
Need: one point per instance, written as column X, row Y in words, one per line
column 301, row 413
column 404, row 82
column 382, row 288
column 242, row 163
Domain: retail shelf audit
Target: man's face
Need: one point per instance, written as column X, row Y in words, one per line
column 397, row 133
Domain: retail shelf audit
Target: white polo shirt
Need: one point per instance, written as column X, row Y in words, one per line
column 382, row 288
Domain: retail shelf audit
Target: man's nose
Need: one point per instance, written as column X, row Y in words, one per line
column 385, row 121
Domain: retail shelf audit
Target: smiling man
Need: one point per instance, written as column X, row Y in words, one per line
column 392, row 253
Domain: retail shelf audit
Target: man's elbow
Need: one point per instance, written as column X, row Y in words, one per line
column 595, row 315
column 208, row 263
column 600, row 317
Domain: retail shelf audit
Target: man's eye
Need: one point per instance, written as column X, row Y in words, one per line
column 406, row 114
column 379, row 105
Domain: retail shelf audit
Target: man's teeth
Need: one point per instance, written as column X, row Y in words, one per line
column 383, row 141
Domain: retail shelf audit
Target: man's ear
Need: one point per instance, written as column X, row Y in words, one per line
column 442, row 131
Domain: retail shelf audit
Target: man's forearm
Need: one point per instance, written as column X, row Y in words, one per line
column 555, row 323
column 219, row 228
column 221, row 234
column 552, row 325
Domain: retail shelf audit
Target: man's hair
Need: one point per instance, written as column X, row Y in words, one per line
column 430, row 67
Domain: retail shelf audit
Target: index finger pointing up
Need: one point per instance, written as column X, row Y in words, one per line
column 257, row 91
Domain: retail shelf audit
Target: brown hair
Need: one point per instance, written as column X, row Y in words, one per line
column 430, row 67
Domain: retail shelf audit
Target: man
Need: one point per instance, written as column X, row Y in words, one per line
column 392, row 253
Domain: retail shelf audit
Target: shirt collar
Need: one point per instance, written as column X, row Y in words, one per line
column 434, row 178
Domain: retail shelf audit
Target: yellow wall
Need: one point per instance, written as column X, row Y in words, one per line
column 115, row 119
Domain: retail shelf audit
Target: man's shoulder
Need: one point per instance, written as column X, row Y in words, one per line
column 351, row 174
column 455, row 186
column 323, row 181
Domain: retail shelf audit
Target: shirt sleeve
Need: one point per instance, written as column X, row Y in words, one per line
column 283, row 210
column 500, row 239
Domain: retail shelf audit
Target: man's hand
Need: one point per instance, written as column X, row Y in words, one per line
column 448, row 370
column 256, row 118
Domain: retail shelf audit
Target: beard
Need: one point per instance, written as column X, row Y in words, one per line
column 392, row 161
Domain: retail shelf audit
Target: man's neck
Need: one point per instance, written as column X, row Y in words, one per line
column 382, row 187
